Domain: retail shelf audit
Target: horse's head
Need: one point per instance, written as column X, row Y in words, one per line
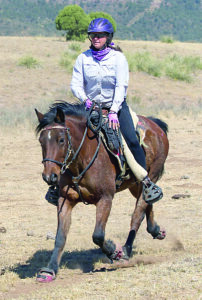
column 55, row 139
column 54, row 142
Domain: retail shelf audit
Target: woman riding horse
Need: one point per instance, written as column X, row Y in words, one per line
column 101, row 74
column 79, row 164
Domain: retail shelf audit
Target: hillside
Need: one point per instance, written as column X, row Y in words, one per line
column 143, row 20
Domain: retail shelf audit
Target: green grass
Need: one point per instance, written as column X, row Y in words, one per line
column 145, row 62
column 75, row 46
column 68, row 58
column 175, row 67
column 67, row 61
column 28, row 62
column 182, row 68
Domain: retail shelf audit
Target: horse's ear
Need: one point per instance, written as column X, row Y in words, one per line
column 60, row 116
column 40, row 116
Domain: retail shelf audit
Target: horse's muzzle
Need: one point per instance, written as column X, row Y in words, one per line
column 51, row 179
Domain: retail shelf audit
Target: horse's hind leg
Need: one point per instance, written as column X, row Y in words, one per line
column 136, row 220
column 64, row 220
column 152, row 227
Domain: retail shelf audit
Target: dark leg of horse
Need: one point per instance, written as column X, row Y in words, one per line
column 152, row 227
column 137, row 218
column 103, row 209
column 64, row 221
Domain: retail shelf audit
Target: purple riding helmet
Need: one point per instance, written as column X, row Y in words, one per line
column 100, row 25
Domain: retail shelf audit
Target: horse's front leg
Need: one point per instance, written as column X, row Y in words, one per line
column 48, row 273
column 103, row 209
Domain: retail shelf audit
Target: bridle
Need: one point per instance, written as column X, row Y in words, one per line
column 70, row 151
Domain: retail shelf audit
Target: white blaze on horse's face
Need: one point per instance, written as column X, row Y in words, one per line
column 49, row 134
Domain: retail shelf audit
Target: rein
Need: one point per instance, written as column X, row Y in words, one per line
column 65, row 165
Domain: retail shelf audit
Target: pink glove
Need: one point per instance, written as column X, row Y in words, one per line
column 113, row 120
column 88, row 104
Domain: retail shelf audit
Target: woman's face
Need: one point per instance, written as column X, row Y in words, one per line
column 98, row 39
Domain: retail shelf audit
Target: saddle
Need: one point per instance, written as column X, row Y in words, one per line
column 117, row 146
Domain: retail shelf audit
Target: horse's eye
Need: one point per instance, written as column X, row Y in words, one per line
column 61, row 141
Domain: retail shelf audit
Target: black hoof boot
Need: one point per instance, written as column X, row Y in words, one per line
column 52, row 195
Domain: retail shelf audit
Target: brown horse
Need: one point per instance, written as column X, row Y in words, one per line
column 75, row 158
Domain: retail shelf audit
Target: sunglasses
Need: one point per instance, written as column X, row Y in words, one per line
column 97, row 35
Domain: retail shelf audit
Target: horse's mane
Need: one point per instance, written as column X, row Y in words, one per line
column 69, row 109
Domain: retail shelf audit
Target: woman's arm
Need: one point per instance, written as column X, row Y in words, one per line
column 77, row 82
column 122, row 77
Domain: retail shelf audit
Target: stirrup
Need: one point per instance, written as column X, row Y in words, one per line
column 52, row 195
column 151, row 192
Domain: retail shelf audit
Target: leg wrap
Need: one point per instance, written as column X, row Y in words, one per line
column 129, row 244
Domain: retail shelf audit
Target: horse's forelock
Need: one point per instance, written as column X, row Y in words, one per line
column 69, row 109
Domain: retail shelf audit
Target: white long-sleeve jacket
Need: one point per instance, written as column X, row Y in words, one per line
column 104, row 81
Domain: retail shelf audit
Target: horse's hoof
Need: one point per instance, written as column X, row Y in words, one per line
column 161, row 235
column 45, row 275
column 119, row 254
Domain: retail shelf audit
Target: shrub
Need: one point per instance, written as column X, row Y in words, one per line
column 175, row 66
column 144, row 62
column 74, row 21
column 167, row 39
column 75, row 47
column 193, row 63
column 181, row 68
column 67, row 60
column 28, row 62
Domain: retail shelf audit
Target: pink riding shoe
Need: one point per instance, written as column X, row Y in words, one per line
column 45, row 275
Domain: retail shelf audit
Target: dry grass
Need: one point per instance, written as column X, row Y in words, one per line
column 168, row 269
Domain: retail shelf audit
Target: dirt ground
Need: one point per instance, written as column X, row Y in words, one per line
column 168, row 269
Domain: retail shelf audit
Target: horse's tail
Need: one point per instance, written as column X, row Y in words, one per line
column 160, row 123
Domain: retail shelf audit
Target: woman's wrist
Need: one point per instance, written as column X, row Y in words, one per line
column 84, row 101
column 112, row 112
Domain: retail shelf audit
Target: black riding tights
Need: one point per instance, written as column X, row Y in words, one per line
column 129, row 134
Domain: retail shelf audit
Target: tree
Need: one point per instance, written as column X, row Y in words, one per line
column 100, row 14
column 74, row 21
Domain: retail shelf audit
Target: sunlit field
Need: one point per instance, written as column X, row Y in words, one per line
column 36, row 71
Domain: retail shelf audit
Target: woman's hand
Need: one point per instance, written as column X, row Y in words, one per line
column 88, row 103
column 113, row 120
